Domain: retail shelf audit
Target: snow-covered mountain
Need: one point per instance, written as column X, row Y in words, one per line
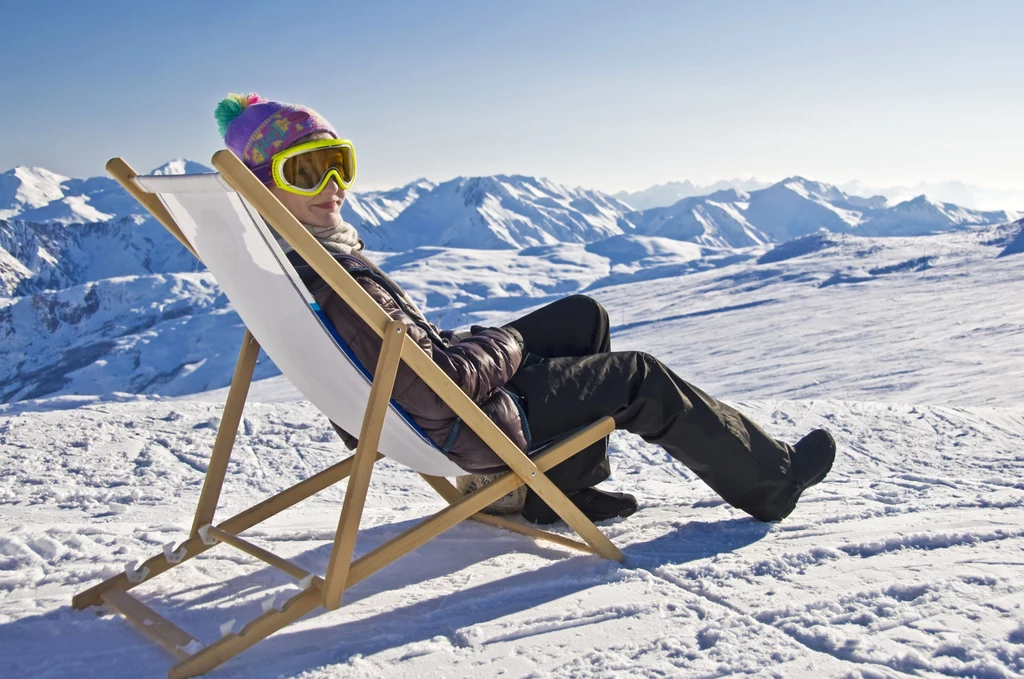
column 478, row 212
column 37, row 195
column 506, row 212
column 510, row 212
column 107, row 305
column 36, row 257
column 370, row 211
column 670, row 193
column 180, row 166
column 970, row 196
column 796, row 207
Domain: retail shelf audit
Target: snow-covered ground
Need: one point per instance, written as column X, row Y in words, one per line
column 906, row 561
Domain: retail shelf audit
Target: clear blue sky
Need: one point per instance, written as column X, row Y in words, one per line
column 608, row 95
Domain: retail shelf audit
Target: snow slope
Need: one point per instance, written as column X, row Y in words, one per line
column 720, row 312
column 906, row 562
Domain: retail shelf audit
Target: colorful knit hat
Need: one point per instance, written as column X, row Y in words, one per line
column 255, row 128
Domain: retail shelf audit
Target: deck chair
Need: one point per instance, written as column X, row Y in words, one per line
column 222, row 219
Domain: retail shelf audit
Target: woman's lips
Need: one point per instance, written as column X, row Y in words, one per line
column 331, row 205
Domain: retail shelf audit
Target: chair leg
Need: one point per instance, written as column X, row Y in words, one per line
column 225, row 441
column 366, row 454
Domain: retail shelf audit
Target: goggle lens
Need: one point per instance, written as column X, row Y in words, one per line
column 306, row 170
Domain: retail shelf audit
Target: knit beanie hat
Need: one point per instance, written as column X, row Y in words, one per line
column 254, row 129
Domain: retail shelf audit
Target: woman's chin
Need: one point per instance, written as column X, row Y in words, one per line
column 327, row 221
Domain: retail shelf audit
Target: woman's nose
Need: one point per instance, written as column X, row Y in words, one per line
column 333, row 188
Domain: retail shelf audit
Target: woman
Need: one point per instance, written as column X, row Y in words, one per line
column 537, row 378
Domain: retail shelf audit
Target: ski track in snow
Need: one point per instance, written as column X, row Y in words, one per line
column 907, row 561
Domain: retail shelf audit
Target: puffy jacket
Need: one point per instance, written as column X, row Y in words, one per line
column 480, row 364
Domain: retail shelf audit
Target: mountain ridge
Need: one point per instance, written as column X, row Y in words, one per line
column 515, row 211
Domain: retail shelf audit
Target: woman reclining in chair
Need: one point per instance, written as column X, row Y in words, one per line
column 537, row 378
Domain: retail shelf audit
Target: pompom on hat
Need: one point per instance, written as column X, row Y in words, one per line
column 254, row 129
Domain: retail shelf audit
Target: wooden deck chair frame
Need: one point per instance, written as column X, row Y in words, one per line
column 196, row 658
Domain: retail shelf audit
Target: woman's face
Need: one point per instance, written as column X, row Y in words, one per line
column 323, row 209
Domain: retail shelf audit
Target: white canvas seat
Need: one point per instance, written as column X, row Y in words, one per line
column 223, row 218
column 239, row 249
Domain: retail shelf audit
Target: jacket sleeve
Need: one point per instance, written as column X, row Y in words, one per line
column 479, row 364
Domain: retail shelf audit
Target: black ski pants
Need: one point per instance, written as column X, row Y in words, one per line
column 570, row 378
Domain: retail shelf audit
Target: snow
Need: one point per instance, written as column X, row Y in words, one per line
column 906, row 561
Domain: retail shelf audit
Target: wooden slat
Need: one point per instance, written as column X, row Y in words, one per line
column 125, row 176
column 226, row 431
column 280, row 563
column 149, row 622
column 369, row 438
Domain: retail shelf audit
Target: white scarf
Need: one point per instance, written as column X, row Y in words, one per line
column 341, row 239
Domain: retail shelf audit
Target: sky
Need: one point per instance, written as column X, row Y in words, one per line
column 606, row 95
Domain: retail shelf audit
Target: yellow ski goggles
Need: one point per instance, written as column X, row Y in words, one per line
column 306, row 168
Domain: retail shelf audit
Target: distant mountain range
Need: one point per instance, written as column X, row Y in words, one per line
column 512, row 212
column 671, row 193
column 965, row 195
column 796, row 207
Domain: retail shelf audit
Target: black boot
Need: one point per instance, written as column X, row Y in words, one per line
column 815, row 454
column 596, row 505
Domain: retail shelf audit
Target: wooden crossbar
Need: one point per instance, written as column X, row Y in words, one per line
column 342, row 572
column 150, row 623
column 264, row 555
